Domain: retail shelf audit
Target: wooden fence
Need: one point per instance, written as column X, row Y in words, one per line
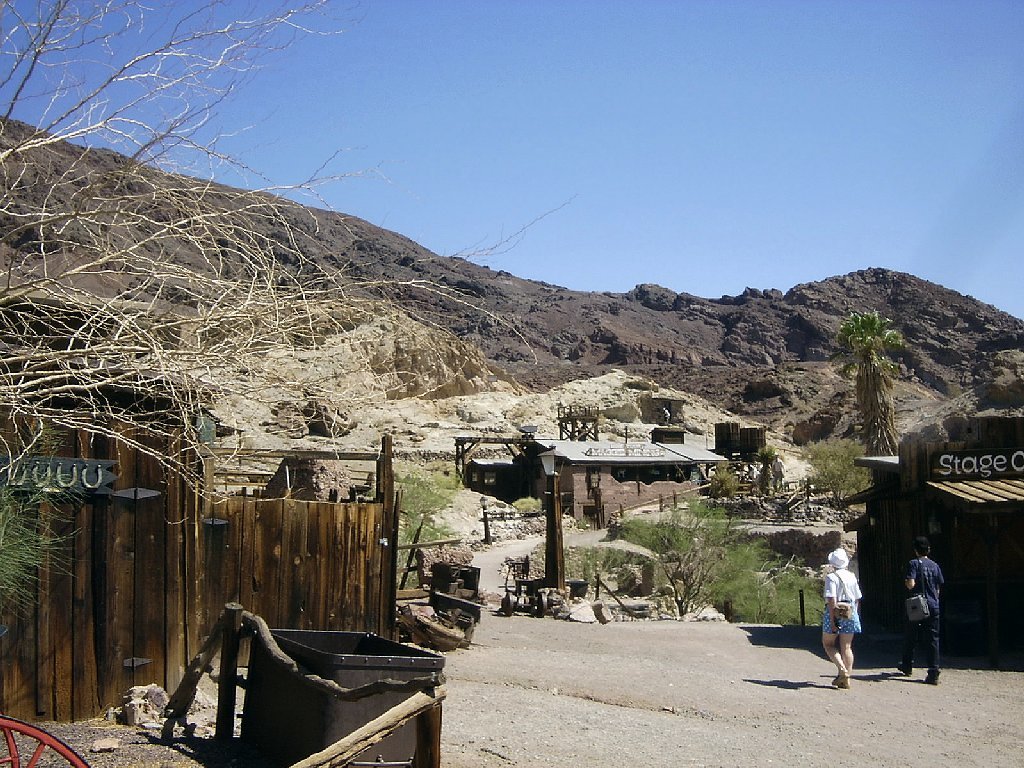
column 142, row 577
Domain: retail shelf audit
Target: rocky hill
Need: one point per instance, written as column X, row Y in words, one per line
column 762, row 355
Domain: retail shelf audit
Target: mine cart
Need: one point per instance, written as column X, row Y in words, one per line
column 523, row 593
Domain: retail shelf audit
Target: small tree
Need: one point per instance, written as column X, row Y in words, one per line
column 692, row 547
column 425, row 492
column 130, row 277
column 766, row 457
column 29, row 540
column 723, row 484
column 833, row 469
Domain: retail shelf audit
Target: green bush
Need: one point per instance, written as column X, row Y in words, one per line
column 425, row 491
column 27, row 542
column 723, row 484
column 833, row 470
column 707, row 560
column 528, row 505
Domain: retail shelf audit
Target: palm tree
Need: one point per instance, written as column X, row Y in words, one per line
column 864, row 340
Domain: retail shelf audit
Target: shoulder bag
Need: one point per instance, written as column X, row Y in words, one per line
column 917, row 604
column 843, row 608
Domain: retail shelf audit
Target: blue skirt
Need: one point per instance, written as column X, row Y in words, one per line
column 850, row 626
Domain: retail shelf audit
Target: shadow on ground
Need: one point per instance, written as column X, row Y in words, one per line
column 878, row 650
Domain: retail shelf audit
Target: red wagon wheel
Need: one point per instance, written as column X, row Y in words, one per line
column 26, row 746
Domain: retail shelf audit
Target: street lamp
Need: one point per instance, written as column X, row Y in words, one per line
column 554, row 557
column 547, row 462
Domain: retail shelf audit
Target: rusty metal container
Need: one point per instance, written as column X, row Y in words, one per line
column 288, row 720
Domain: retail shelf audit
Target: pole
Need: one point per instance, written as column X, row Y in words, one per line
column 554, row 557
column 487, row 522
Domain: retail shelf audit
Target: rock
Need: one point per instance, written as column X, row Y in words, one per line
column 582, row 612
column 109, row 744
column 144, row 704
column 705, row 614
column 601, row 612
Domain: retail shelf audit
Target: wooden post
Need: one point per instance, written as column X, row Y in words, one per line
column 554, row 557
column 412, row 553
column 487, row 522
column 428, row 739
column 228, row 681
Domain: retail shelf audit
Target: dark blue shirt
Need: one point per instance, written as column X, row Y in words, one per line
column 927, row 578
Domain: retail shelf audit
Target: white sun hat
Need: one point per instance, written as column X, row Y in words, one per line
column 838, row 559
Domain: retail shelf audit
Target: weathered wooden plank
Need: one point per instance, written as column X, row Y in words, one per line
column 118, row 609
column 85, row 695
column 241, row 512
column 335, row 591
column 61, row 617
column 319, row 546
column 374, row 534
column 150, row 515
column 267, row 563
column 175, row 624
column 18, row 667
column 45, row 672
column 357, row 570
column 292, row 560
column 218, row 586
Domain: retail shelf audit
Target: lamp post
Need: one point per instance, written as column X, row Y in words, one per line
column 487, row 522
column 554, row 557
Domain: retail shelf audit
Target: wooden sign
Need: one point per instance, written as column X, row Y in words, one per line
column 977, row 465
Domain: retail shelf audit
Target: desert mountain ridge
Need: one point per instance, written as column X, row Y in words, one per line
column 466, row 330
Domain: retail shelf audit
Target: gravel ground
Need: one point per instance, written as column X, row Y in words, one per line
column 541, row 692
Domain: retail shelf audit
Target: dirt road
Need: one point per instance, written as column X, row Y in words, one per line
column 543, row 692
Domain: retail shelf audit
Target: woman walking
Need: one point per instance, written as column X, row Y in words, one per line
column 841, row 617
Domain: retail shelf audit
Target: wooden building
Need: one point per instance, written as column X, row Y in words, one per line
column 596, row 478
column 968, row 499
column 149, row 560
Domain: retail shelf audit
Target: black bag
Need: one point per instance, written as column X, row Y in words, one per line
column 917, row 608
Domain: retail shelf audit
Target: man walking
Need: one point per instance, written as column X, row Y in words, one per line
column 923, row 577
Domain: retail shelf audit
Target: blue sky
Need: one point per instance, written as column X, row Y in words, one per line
column 704, row 146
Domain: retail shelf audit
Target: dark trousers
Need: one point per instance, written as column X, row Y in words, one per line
column 924, row 633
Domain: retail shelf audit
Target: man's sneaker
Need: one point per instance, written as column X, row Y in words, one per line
column 933, row 677
column 905, row 669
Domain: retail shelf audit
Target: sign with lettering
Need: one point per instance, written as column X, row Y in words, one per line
column 57, row 475
column 628, row 451
column 974, row 465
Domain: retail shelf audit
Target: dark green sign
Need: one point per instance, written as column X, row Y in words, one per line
column 57, row 475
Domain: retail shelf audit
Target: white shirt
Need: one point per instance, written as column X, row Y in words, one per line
column 849, row 581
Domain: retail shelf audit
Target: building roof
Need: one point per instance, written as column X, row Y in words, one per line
column 607, row 452
column 883, row 463
column 986, row 495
